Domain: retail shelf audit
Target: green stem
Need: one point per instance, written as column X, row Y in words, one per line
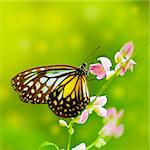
column 69, row 138
column 90, row 146
column 48, row 144
column 69, row 142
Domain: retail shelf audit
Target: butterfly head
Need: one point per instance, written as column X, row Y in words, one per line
column 82, row 70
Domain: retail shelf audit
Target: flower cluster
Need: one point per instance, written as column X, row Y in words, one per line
column 122, row 59
column 96, row 106
column 111, row 128
column 112, row 125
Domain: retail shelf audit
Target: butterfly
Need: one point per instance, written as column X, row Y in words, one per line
column 62, row 87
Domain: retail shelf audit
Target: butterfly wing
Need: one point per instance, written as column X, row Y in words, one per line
column 35, row 85
column 61, row 86
column 70, row 97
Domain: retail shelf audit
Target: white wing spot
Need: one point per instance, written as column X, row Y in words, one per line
column 25, row 89
column 38, row 85
column 18, row 83
column 32, row 91
column 60, row 95
column 42, row 69
column 45, row 89
column 30, row 74
column 49, row 74
column 30, row 79
column 42, row 101
column 18, row 78
column 59, row 80
column 47, row 97
column 34, row 70
column 39, row 95
column 43, row 79
column 50, row 81
column 55, row 102
column 30, row 83
column 26, row 73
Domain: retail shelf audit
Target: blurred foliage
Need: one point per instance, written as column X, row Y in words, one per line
column 41, row 33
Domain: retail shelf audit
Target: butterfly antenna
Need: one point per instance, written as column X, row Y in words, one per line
column 92, row 59
column 85, row 60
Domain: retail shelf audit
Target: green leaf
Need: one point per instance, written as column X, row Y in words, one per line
column 48, row 146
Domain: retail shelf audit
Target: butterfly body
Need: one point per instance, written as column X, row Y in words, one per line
column 62, row 87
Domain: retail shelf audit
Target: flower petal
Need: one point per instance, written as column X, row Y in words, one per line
column 81, row 146
column 100, row 142
column 118, row 131
column 108, row 129
column 83, row 117
column 109, row 74
column 105, row 62
column 92, row 98
column 100, row 101
column 100, row 111
column 127, row 50
column 97, row 69
column 118, row 57
column 122, row 70
column 131, row 64
column 111, row 114
column 101, row 76
column 63, row 123
column 120, row 114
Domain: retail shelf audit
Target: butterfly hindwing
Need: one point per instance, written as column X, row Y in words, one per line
column 69, row 99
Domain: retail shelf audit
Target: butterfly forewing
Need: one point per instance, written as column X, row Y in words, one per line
column 61, row 86
column 34, row 85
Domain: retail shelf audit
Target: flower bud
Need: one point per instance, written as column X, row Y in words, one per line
column 100, row 143
column 63, row 123
column 71, row 131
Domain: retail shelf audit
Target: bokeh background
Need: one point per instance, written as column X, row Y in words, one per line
column 42, row 33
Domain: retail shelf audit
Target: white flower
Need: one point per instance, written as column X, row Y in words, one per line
column 98, row 105
column 81, row 146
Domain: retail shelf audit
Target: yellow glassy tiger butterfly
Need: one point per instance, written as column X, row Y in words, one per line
column 62, row 87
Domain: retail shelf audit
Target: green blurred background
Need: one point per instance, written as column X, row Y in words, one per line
column 43, row 33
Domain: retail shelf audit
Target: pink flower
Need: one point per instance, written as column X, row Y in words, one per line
column 113, row 115
column 112, row 126
column 129, row 66
column 127, row 50
column 81, row 146
column 122, row 58
column 97, row 69
column 83, row 117
column 98, row 105
column 111, row 129
column 102, row 70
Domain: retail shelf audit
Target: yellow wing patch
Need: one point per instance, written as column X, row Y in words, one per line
column 70, row 86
